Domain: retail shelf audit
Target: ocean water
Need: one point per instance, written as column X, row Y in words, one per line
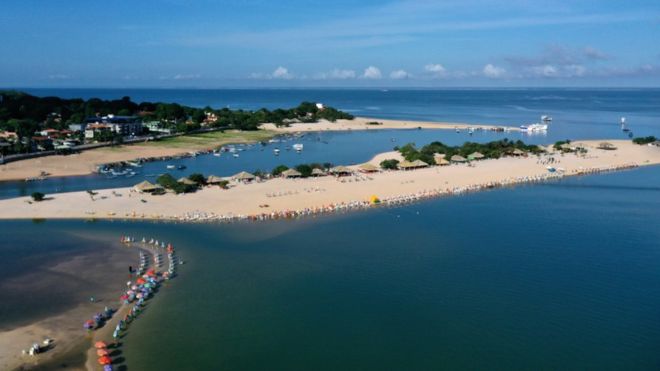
column 560, row 275
column 577, row 113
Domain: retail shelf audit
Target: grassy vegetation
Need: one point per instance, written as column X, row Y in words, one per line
column 645, row 140
column 213, row 139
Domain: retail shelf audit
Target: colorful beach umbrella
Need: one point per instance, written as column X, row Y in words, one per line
column 100, row 344
column 102, row 352
column 105, row 360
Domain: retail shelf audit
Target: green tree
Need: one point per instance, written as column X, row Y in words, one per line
column 279, row 170
column 391, row 164
column 304, row 170
column 197, row 178
column 38, row 196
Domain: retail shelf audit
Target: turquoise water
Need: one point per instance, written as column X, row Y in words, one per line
column 562, row 275
column 577, row 113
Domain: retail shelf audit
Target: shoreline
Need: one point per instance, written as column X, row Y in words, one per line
column 86, row 162
column 76, row 277
column 294, row 197
column 73, row 346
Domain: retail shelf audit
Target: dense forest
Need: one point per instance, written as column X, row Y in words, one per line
column 24, row 114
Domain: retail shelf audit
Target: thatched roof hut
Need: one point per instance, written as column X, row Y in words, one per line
column 186, row 181
column 243, row 176
column 458, row 158
column 212, row 179
column 146, row 186
column 291, row 173
column 318, row 172
column 442, row 162
column 475, row 156
column 518, row 152
column 607, row 146
column 368, row 168
column 419, row 163
column 407, row 165
column 341, row 170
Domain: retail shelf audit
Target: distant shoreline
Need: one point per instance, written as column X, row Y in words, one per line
column 86, row 162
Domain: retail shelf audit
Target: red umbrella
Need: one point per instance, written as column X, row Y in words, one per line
column 102, row 352
column 100, row 344
column 105, row 360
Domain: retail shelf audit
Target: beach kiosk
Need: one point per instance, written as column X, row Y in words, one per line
column 441, row 161
column 291, row 173
column 318, row 172
column 368, row 168
column 341, row 170
column 475, row 156
column 212, row 179
column 146, row 187
column 243, row 176
column 409, row 165
column 517, row 152
column 458, row 159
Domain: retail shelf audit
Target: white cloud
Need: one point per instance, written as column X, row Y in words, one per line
column 187, row 77
column 59, row 76
column 576, row 70
column 399, row 75
column 336, row 74
column 493, row 72
column 548, row 70
column 595, row 54
column 282, row 73
column 372, row 73
column 437, row 70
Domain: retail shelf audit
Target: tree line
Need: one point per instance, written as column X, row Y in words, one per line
column 25, row 114
column 494, row 149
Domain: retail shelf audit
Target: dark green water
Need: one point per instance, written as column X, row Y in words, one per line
column 563, row 275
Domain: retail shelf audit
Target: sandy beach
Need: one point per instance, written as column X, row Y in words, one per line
column 86, row 162
column 70, row 282
column 279, row 195
column 360, row 123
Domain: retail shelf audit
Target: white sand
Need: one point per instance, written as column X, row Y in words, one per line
column 297, row 194
column 360, row 123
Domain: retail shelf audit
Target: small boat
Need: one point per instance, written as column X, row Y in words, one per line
column 276, row 151
column 216, row 154
column 171, row 167
column 298, row 147
column 181, row 167
column 235, row 155
column 534, row 128
column 546, row 119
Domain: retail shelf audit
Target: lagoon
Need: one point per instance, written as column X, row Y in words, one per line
column 548, row 276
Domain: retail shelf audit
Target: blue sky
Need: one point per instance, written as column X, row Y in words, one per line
column 251, row 43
